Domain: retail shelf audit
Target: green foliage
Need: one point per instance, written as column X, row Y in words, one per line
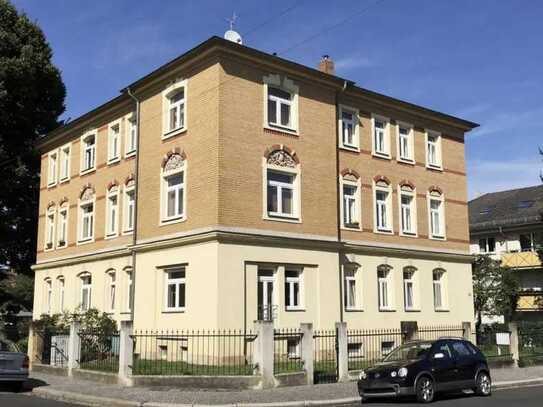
column 31, row 100
column 496, row 289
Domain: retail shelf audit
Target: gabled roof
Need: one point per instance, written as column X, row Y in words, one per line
column 512, row 208
column 217, row 43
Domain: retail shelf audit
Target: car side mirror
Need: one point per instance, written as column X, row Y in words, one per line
column 439, row 355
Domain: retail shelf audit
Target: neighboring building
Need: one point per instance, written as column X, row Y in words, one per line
column 505, row 225
column 265, row 189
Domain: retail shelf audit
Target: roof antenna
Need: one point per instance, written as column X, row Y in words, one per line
column 232, row 35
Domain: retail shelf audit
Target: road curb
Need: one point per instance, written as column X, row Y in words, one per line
column 98, row 401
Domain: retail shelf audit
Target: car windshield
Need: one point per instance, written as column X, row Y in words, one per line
column 409, row 351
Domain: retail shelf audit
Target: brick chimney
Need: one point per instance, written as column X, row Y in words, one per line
column 326, row 65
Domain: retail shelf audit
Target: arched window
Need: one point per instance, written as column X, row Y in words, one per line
column 48, row 296
column 350, row 201
column 383, row 205
column 112, row 211
column 409, row 288
column 174, row 188
column 407, row 204
column 174, row 109
column 88, row 151
column 129, row 289
column 436, row 213
column 86, row 291
column 61, row 284
column 439, row 285
column 50, row 223
column 87, row 203
column 129, row 205
column 282, row 181
column 111, row 289
column 62, row 231
column 386, row 292
column 281, row 101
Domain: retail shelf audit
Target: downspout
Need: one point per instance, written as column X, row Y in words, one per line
column 338, row 205
column 136, row 186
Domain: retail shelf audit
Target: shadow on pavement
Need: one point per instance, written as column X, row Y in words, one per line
column 24, row 388
column 409, row 400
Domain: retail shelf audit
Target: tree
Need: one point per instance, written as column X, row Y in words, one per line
column 31, row 100
column 495, row 289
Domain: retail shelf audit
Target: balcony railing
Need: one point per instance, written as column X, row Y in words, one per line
column 521, row 259
column 530, row 301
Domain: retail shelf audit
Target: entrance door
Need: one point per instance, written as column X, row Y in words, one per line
column 266, row 295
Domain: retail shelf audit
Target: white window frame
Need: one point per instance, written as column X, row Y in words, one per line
column 80, row 238
column 61, row 282
column 112, row 292
column 65, row 162
column 409, row 159
column 441, row 198
column 385, row 284
column 442, row 282
column 413, row 232
column 166, row 95
column 48, row 296
column 290, row 282
column 412, row 280
column 265, row 279
column 53, row 161
column 355, row 146
column 357, row 225
column 386, row 141
column 63, row 209
column 287, row 85
column 127, row 191
column 86, row 291
column 129, row 282
column 352, row 275
column 83, row 151
column 50, row 228
column 439, row 159
column 114, row 142
column 178, row 282
column 130, row 145
column 389, row 229
column 281, row 216
column 487, row 246
column 164, row 218
column 112, row 232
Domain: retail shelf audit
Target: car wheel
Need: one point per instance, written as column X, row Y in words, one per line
column 425, row 390
column 17, row 387
column 484, row 385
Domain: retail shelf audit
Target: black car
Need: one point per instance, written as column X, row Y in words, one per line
column 422, row 368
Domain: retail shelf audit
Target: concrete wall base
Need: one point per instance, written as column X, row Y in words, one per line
column 290, row 379
column 52, row 370
column 205, row 382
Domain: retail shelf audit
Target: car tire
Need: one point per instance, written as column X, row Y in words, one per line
column 483, row 385
column 425, row 390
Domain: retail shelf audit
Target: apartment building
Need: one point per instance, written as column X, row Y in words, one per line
column 507, row 226
column 231, row 185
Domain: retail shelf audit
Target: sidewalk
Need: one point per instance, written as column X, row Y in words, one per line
column 91, row 393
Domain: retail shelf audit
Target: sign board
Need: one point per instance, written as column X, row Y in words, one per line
column 503, row 338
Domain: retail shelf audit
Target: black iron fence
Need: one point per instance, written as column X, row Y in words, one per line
column 287, row 351
column 530, row 345
column 99, row 351
column 495, row 342
column 325, row 358
column 194, row 352
column 367, row 347
column 51, row 347
column 434, row 332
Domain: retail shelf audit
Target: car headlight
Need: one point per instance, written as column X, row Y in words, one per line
column 402, row 372
column 362, row 375
column 393, row 373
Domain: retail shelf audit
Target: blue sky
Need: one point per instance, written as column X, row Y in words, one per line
column 479, row 59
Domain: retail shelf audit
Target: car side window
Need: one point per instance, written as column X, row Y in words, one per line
column 461, row 349
column 445, row 349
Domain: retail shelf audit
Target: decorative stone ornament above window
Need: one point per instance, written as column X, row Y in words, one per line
column 280, row 103
column 87, row 193
column 281, row 159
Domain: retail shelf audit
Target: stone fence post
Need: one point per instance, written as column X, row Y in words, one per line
column 466, row 328
column 410, row 329
column 342, row 352
column 264, row 352
column 126, row 353
column 308, row 350
column 74, row 348
column 514, row 345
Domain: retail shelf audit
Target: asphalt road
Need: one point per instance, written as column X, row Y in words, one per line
column 525, row 397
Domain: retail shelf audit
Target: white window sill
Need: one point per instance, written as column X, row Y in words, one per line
column 173, row 311
column 434, row 167
column 171, row 221
column 384, row 231
column 114, row 160
column 388, row 309
column 351, row 228
column 286, row 219
column 52, row 184
column 128, row 232
column 62, row 246
column 112, row 236
column 385, row 156
column 130, row 154
column 353, row 309
column 85, row 241
column 441, row 238
column 173, row 133
column 63, row 180
column 48, row 249
column 412, row 310
column 441, row 309
column 347, row 147
column 406, row 161
column 87, row 171
column 284, row 129
column 409, row 234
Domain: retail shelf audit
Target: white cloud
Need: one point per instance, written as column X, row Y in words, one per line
column 350, row 63
column 506, row 121
column 490, row 176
